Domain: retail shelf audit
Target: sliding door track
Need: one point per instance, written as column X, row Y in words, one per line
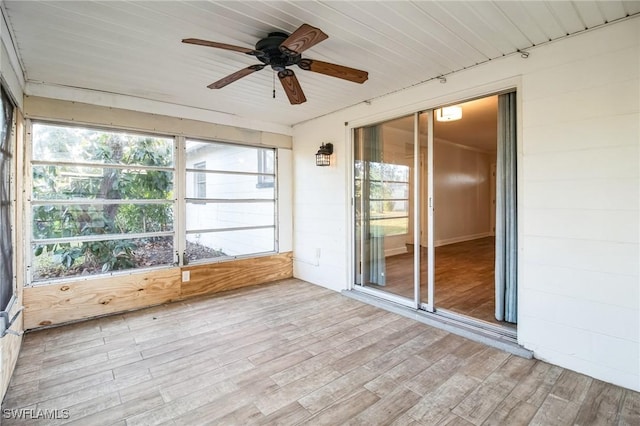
column 503, row 338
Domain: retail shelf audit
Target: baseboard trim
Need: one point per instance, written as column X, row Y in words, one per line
column 395, row 251
column 462, row 239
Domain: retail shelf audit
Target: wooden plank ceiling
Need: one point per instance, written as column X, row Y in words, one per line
column 134, row 47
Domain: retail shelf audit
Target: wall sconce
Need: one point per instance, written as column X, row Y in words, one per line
column 323, row 156
column 451, row 113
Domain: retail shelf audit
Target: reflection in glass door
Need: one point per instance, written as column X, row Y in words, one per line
column 385, row 244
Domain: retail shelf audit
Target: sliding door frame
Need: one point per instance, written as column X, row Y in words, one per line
column 417, row 188
column 418, row 204
column 356, row 264
column 504, row 86
column 429, row 206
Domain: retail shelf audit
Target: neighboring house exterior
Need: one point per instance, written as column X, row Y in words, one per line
column 243, row 205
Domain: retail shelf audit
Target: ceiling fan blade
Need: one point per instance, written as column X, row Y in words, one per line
column 222, row 46
column 302, row 39
column 235, row 76
column 291, row 87
column 334, row 70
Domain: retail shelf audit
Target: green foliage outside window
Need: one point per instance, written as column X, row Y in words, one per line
column 88, row 183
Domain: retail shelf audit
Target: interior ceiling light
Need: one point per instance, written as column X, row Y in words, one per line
column 451, row 113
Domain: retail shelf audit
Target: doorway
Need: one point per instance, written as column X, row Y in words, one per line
column 424, row 211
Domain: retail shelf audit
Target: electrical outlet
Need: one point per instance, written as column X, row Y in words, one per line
column 186, row 276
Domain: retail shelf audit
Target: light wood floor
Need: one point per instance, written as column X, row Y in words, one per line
column 464, row 278
column 293, row 353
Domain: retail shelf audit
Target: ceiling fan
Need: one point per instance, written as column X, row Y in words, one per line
column 280, row 50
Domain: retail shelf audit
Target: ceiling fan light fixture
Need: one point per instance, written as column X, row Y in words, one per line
column 451, row 113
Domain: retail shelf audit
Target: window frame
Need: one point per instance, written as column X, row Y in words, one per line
column 200, row 201
column 30, row 203
column 10, row 202
column 179, row 199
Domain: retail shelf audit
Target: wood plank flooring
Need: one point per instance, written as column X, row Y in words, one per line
column 291, row 353
column 464, row 278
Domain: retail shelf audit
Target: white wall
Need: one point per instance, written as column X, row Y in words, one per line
column 579, row 211
column 579, row 120
column 321, row 251
column 461, row 181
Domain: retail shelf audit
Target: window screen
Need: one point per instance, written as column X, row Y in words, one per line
column 6, row 162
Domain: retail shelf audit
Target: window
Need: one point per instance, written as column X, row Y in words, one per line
column 105, row 200
column 100, row 201
column 266, row 165
column 237, row 217
column 388, row 196
column 200, row 180
column 6, row 210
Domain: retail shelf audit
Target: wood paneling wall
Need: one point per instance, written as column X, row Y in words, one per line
column 216, row 277
column 62, row 302
column 76, row 300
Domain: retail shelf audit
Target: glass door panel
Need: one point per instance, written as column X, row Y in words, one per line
column 465, row 151
column 384, row 213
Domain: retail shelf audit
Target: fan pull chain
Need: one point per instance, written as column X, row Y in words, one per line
column 274, row 85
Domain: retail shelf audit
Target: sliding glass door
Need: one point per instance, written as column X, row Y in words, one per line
column 384, row 203
column 425, row 210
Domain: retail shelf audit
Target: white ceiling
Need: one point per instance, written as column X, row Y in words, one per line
column 134, row 48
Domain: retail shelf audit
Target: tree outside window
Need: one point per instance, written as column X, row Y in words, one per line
column 100, row 201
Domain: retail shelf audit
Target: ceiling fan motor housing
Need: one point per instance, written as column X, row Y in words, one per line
column 271, row 53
